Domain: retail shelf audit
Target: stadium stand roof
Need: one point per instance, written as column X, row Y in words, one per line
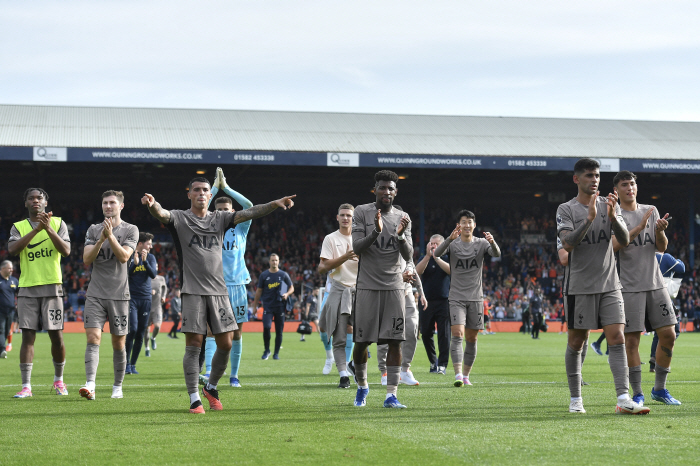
column 149, row 128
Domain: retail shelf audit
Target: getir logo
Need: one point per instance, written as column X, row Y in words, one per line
column 39, row 254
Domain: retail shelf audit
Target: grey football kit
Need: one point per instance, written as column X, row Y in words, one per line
column 40, row 307
column 648, row 306
column 107, row 298
column 379, row 309
column 593, row 298
column 643, row 289
column 205, row 297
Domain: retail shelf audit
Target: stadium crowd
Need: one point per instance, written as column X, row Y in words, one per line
column 527, row 240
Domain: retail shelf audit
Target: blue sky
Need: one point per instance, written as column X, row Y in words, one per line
column 601, row 59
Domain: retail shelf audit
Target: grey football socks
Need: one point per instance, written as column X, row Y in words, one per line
column 661, row 374
column 119, row 362
column 190, row 364
column 26, row 370
column 382, row 351
column 219, row 362
column 58, row 370
column 469, row 354
column 636, row 379
column 572, row 360
column 92, row 359
column 361, row 374
column 392, row 379
column 584, row 351
column 457, row 353
column 618, row 366
column 339, row 356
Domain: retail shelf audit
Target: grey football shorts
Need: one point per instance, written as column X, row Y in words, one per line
column 648, row 310
column 200, row 310
column 594, row 311
column 44, row 313
column 467, row 313
column 379, row 316
column 99, row 310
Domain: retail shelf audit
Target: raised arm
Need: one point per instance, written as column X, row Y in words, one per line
column 661, row 239
column 618, row 224
column 155, row 209
column 494, row 250
column 261, row 210
column 238, row 197
column 326, row 265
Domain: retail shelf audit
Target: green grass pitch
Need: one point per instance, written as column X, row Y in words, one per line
column 289, row 413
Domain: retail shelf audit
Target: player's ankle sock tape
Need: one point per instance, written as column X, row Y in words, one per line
column 392, row 378
column 572, row 361
column 92, row 359
column 119, row 362
column 218, row 365
column 236, row 351
column 26, row 370
column 619, row 369
column 190, row 364
column 636, row 379
column 209, row 352
column 326, row 342
column 584, row 351
column 660, row 377
column 469, row 354
column 58, row 369
column 456, row 350
column 349, row 345
column 361, row 374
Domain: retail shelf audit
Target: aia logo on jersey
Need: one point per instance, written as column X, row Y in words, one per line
column 466, row 264
column 639, row 241
column 229, row 245
column 602, row 236
column 382, row 243
column 203, row 242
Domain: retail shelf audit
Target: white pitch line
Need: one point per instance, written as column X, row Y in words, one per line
column 269, row 384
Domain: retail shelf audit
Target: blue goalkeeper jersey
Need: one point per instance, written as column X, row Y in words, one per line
column 233, row 253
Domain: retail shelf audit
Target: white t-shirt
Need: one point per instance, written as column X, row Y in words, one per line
column 335, row 245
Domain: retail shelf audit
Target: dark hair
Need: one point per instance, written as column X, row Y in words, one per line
column 118, row 194
column 274, row 254
column 43, row 193
column 465, row 213
column 345, row 206
column 585, row 164
column 199, row 179
column 624, row 175
column 223, row 200
column 144, row 236
column 385, row 175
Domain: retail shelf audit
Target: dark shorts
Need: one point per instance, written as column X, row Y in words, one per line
column 270, row 314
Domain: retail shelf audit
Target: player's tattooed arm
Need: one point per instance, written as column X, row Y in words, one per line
column 261, row 210
column 571, row 238
column 155, row 209
column 622, row 236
